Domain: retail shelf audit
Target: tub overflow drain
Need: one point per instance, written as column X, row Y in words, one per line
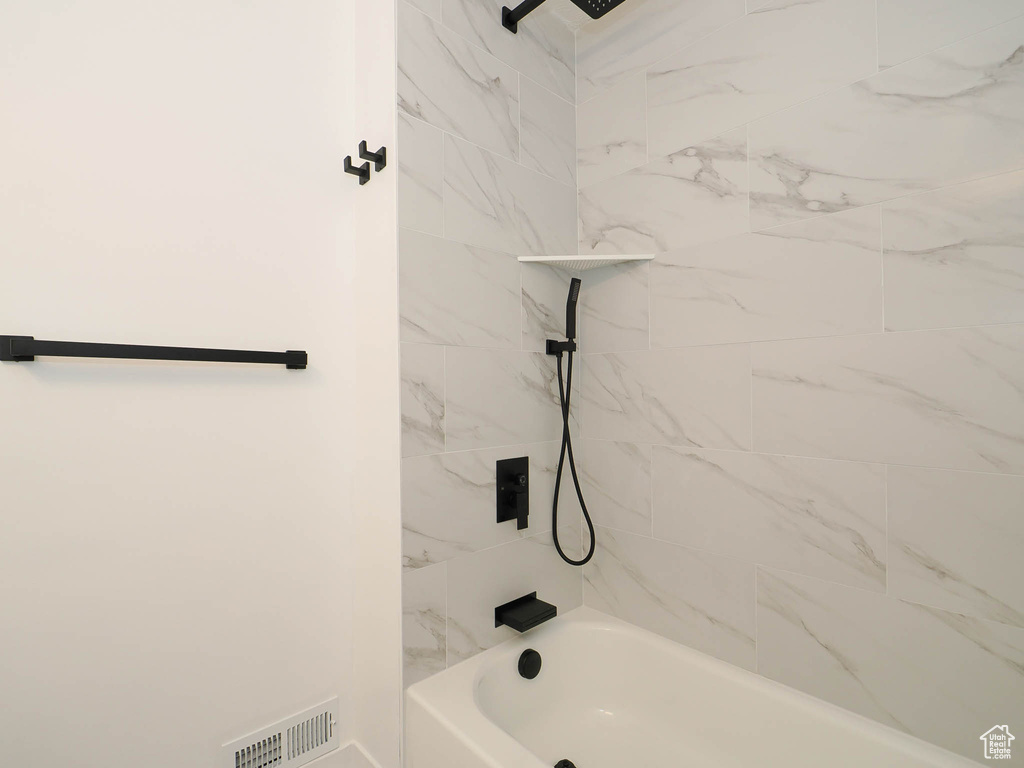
column 529, row 664
column 565, row 764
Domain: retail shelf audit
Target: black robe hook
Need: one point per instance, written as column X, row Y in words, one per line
column 362, row 171
column 379, row 158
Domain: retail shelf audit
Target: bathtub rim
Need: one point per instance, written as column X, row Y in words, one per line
column 451, row 696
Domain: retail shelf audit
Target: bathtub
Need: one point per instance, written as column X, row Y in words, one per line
column 610, row 695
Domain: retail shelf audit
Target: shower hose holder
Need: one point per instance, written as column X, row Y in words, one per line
column 558, row 348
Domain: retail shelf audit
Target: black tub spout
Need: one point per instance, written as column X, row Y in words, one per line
column 524, row 613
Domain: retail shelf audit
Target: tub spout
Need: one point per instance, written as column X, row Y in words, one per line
column 524, row 613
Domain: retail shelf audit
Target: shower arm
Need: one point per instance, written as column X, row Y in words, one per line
column 510, row 18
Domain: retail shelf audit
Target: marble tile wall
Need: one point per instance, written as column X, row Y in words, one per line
column 487, row 172
column 804, row 421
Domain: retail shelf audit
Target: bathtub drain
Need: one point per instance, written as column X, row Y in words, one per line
column 565, row 764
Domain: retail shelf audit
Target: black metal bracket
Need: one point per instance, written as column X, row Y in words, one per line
column 512, row 478
column 557, row 348
column 24, row 349
column 378, row 158
column 510, row 17
column 362, row 171
column 14, row 349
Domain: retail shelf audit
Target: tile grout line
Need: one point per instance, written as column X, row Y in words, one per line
column 881, row 261
column 653, row 506
column 887, row 547
column 878, row 45
column 519, row 128
column 579, row 235
column 790, row 339
column 444, row 390
column 757, row 625
column 446, row 612
column 750, row 359
column 800, row 457
column 444, row 185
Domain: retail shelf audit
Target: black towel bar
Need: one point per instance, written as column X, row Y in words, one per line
column 25, row 349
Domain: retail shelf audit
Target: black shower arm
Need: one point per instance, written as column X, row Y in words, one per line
column 510, row 18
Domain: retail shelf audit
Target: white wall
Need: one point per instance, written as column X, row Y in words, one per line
column 375, row 427
column 175, row 540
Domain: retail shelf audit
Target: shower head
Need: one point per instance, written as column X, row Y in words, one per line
column 556, row 347
column 595, row 9
column 570, row 308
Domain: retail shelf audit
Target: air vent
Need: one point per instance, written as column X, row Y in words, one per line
column 262, row 754
column 289, row 743
column 310, row 735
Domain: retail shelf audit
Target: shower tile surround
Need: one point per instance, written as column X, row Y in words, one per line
column 802, row 424
column 487, row 172
column 838, row 213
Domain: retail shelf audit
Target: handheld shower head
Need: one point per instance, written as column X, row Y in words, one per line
column 560, row 349
column 570, row 308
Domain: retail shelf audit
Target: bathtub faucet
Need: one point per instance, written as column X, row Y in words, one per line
column 524, row 613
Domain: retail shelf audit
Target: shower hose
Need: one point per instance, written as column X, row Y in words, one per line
column 564, row 393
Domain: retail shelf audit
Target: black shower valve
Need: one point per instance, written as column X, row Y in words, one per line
column 512, row 478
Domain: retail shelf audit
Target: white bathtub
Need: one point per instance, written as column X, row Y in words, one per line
column 610, row 695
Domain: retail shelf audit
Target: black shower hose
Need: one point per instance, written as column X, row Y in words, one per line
column 564, row 393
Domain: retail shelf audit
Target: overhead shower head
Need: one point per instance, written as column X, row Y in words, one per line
column 595, row 9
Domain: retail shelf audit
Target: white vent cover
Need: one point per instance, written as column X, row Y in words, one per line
column 289, row 743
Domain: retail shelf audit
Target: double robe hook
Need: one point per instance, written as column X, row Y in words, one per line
column 379, row 159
